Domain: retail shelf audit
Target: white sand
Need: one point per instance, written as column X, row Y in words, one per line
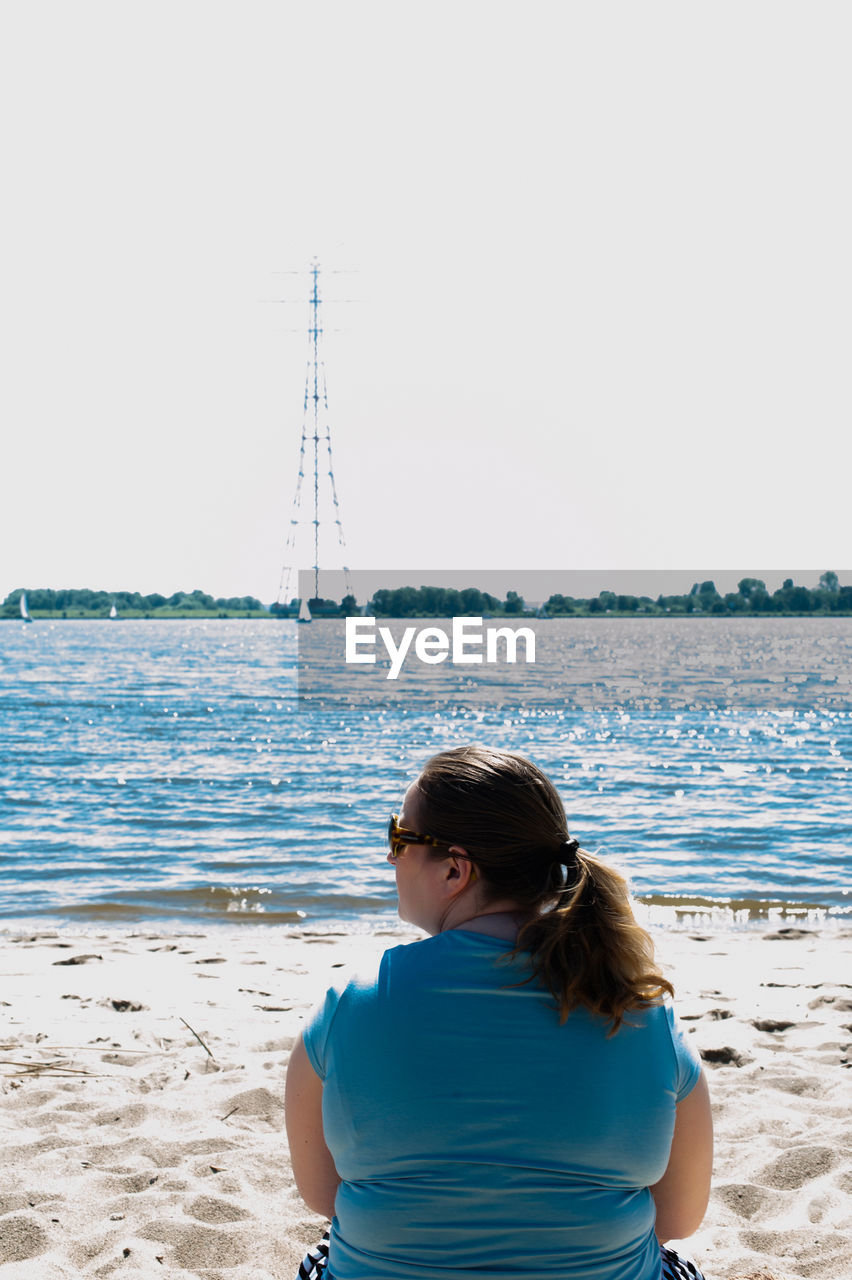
column 129, row 1150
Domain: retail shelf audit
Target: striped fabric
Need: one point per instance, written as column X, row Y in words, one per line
column 315, row 1261
column 674, row 1266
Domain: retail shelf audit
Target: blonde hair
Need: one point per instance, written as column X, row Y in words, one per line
column 582, row 941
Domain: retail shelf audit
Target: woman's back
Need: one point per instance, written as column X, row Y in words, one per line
column 475, row 1135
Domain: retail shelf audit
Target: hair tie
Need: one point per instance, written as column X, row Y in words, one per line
column 568, row 851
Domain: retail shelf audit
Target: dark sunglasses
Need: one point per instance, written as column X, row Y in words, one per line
column 399, row 837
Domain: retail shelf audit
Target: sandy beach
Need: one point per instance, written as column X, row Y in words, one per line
column 142, row 1080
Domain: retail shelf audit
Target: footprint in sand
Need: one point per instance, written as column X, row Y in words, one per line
column 171, row 1155
column 820, row 1208
column 816, row 1254
column 22, row 1236
column 259, row 1104
column 213, row 1210
column 800, row 1086
column 744, row 1198
column 787, row 935
column 127, row 1117
column 725, row 1056
column 840, row 1003
column 136, row 1182
column 196, row 1246
column 793, row 1168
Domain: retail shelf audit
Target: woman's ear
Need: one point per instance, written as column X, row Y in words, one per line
column 460, row 870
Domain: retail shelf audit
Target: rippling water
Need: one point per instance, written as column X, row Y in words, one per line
column 166, row 771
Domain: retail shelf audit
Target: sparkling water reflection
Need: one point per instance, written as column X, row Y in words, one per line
column 165, row 770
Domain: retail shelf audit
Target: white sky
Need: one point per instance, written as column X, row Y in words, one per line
column 601, row 262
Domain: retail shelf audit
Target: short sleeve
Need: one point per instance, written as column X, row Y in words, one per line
column 687, row 1060
column 317, row 1028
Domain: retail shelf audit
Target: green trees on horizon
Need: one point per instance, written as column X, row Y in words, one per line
column 751, row 597
column 433, row 602
column 81, row 602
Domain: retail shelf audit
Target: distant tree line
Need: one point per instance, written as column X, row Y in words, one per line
column 80, row 602
column 318, row 607
column 410, row 602
column 433, row 602
column 751, row 597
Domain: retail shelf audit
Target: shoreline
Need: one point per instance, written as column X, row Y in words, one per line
column 660, row 914
column 142, row 1074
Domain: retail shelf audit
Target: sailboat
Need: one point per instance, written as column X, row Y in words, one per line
column 25, row 613
column 113, row 612
column 304, row 612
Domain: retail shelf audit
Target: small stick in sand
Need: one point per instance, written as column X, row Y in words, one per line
column 52, row 1067
column 198, row 1038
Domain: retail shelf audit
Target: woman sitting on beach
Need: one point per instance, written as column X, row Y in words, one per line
column 510, row 1096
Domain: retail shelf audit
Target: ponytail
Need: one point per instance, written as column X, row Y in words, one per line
column 588, row 949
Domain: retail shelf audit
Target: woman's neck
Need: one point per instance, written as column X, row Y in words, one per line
column 500, row 922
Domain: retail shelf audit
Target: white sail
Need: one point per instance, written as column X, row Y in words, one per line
column 304, row 612
column 113, row 613
column 25, row 613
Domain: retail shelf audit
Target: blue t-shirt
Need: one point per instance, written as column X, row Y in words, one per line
column 476, row 1136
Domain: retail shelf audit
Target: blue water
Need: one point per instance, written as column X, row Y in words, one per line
column 165, row 770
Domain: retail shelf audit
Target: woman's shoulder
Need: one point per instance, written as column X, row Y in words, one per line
column 453, row 962
column 452, row 946
column 368, row 974
column 674, row 1040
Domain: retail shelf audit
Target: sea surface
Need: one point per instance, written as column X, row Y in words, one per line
column 167, row 771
